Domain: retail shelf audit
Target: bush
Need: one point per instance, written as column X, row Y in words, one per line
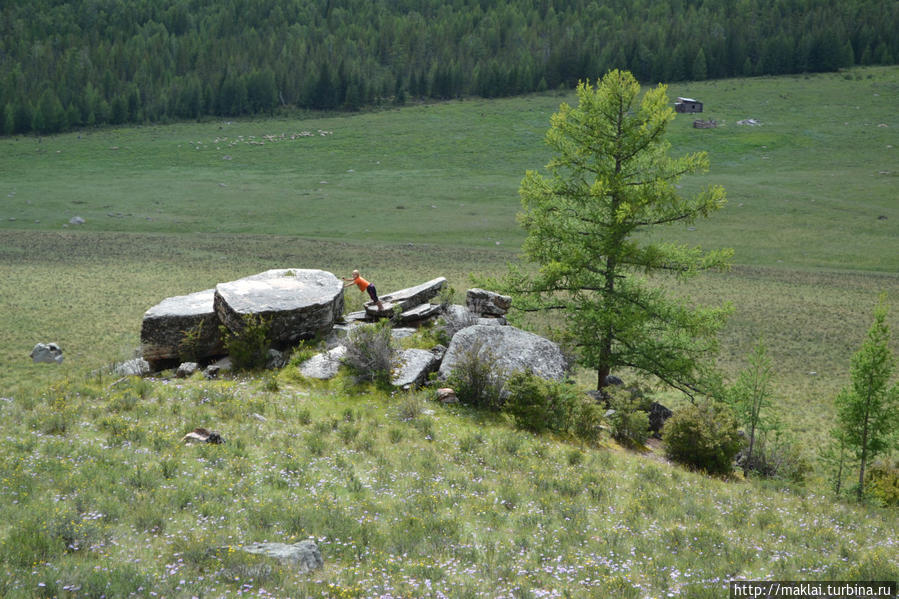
column 628, row 416
column 776, row 455
column 477, row 378
column 704, row 437
column 882, row 482
column 538, row 405
column 248, row 347
column 371, row 352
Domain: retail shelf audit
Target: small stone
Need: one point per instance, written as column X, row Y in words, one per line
column 447, row 395
column 186, row 370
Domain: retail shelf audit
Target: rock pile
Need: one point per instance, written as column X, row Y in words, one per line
column 299, row 304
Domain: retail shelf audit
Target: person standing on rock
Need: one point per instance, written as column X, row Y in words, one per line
column 364, row 285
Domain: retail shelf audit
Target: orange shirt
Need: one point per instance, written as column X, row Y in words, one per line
column 361, row 283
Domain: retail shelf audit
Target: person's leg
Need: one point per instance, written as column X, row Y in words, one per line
column 373, row 294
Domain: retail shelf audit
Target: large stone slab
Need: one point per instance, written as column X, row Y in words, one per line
column 414, row 366
column 297, row 303
column 184, row 326
column 515, row 350
column 406, row 298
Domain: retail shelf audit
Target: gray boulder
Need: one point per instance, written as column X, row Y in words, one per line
column 302, row 557
column 515, row 351
column 406, row 298
column 296, row 303
column 135, row 367
column 414, row 366
column 323, row 366
column 493, row 322
column 181, row 326
column 48, row 353
column 487, row 303
column 186, row 370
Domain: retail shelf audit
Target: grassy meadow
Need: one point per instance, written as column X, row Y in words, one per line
column 406, row 195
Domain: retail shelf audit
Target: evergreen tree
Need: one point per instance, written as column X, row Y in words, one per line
column 700, row 70
column 750, row 395
column 868, row 410
column 610, row 179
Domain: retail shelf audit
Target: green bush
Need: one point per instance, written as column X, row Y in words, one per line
column 628, row 416
column 776, row 455
column 703, row 436
column 371, row 352
column 248, row 347
column 882, row 482
column 539, row 405
column 477, row 377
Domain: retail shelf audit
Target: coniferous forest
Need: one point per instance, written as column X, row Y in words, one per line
column 69, row 64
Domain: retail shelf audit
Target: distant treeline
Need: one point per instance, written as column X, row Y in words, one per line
column 83, row 62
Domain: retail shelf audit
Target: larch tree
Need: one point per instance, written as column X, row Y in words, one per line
column 610, row 180
column 868, row 410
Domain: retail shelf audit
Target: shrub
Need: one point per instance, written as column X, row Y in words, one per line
column 189, row 347
column 248, row 347
column 628, row 417
column 776, row 455
column 477, row 377
column 704, row 437
column 538, row 405
column 371, row 352
column 882, row 482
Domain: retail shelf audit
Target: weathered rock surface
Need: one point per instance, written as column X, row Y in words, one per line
column 303, row 557
column 49, row 353
column 493, row 322
column 406, row 298
column 323, row 366
column 515, row 350
column 402, row 332
column 135, row 367
column 447, row 395
column 296, row 303
column 420, row 312
column 186, row 370
column 487, row 303
column 181, row 325
column 414, row 366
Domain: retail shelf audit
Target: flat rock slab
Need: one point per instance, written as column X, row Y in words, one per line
column 414, row 367
column 514, row 349
column 406, row 298
column 303, row 557
column 420, row 312
column 181, row 326
column 296, row 303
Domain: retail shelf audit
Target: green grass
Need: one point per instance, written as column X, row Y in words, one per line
column 407, row 195
column 405, row 497
column 167, row 214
